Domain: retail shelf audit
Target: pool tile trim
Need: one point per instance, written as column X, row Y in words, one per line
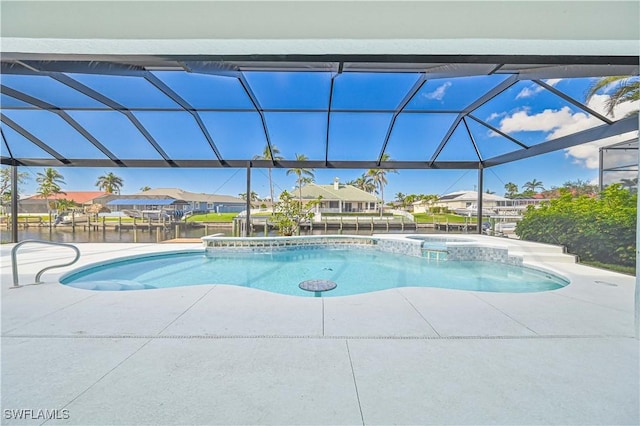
column 433, row 249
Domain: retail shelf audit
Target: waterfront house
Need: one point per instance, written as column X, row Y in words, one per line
column 464, row 202
column 340, row 198
column 199, row 202
column 37, row 204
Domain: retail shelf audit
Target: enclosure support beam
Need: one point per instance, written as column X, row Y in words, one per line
column 479, row 203
column 247, row 231
column 636, row 307
column 601, row 169
column 14, row 204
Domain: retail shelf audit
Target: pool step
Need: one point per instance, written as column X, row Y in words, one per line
column 543, row 256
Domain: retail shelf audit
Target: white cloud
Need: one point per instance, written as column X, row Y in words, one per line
column 562, row 122
column 545, row 121
column 439, row 92
column 588, row 154
column 529, row 91
column 552, row 81
column 616, row 177
column 495, row 115
column 534, row 89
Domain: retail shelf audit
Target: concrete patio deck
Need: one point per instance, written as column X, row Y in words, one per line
column 217, row 354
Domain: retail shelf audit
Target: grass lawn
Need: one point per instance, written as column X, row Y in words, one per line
column 212, row 217
column 442, row 218
column 629, row 270
column 124, row 219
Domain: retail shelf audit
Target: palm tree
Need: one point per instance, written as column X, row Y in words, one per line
column 49, row 182
column 379, row 178
column 110, row 183
column 626, row 90
column 410, row 199
column 511, row 188
column 65, row 204
column 270, row 155
column 400, row 198
column 304, row 175
column 5, row 179
column 630, row 184
column 5, row 185
column 532, row 185
column 364, row 183
column 254, row 196
column 145, row 188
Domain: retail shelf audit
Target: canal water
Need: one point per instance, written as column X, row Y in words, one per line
column 66, row 235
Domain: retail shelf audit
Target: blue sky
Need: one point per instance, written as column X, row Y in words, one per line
column 526, row 112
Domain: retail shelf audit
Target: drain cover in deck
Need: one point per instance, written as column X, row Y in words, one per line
column 317, row 285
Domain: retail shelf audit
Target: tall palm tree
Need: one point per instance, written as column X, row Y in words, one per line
column 49, row 182
column 511, row 188
column 304, row 175
column 110, row 183
column 626, row 89
column 532, row 185
column 379, row 177
column 270, row 155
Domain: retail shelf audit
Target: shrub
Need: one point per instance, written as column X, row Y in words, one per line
column 599, row 229
column 289, row 213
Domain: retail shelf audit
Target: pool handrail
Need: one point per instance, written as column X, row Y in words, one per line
column 14, row 263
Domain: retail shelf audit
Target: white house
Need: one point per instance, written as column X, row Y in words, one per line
column 340, row 198
column 465, row 202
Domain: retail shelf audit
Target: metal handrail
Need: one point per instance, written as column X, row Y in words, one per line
column 14, row 263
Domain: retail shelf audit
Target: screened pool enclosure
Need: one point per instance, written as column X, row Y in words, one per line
column 340, row 111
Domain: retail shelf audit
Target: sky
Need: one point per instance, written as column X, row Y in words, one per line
column 526, row 111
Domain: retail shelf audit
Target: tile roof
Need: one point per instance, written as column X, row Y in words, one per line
column 181, row 194
column 469, row 196
column 80, row 197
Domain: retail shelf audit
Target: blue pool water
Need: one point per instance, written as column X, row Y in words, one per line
column 354, row 271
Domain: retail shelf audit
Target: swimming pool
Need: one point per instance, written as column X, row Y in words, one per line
column 353, row 270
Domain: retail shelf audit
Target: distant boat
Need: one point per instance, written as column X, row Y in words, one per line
column 506, row 227
column 137, row 214
column 147, row 214
column 69, row 219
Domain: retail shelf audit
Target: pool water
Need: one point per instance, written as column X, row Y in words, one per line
column 354, row 271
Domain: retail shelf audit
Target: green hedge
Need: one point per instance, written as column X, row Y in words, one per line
column 601, row 229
